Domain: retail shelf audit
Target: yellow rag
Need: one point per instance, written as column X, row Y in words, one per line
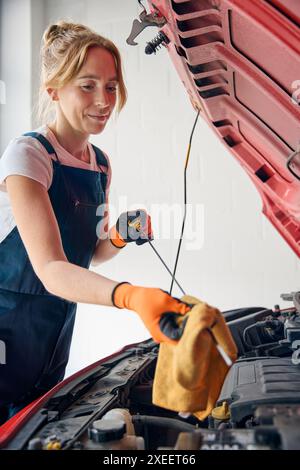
column 189, row 375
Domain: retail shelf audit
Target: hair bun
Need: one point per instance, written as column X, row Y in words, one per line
column 54, row 31
column 51, row 33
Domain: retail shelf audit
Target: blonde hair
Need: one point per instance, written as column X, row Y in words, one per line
column 63, row 52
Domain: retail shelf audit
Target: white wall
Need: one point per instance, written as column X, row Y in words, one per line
column 15, row 66
column 243, row 261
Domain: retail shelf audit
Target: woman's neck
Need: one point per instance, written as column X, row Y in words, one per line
column 75, row 143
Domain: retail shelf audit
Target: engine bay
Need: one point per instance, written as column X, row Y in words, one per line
column 110, row 407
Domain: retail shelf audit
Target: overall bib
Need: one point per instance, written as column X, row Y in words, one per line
column 36, row 326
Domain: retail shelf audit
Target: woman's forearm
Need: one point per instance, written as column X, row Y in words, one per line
column 76, row 284
column 104, row 251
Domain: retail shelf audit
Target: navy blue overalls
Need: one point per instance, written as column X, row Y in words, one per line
column 36, row 326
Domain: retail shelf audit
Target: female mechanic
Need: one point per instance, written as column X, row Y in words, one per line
column 52, row 183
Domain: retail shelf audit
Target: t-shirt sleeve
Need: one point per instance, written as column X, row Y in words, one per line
column 26, row 156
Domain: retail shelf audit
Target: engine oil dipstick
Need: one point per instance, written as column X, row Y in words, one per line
column 136, row 224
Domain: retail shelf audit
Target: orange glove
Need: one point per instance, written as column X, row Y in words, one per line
column 151, row 304
column 133, row 226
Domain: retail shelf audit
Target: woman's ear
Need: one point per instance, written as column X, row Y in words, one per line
column 52, row 92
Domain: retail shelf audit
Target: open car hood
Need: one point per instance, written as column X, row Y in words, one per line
column 239, row 61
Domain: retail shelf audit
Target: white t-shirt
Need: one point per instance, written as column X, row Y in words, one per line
column 26, row 156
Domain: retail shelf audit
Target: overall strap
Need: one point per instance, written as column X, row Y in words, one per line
column 46, row 144
column 100, row 157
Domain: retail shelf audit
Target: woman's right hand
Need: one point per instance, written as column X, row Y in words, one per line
column 151, row 304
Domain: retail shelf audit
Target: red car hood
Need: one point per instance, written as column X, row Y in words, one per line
column 239, row 61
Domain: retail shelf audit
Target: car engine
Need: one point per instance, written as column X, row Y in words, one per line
column 110, row 405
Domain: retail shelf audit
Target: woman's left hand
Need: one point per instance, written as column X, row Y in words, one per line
column 132, row 226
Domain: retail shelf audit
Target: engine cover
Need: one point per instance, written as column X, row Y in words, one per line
column 255, row 382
